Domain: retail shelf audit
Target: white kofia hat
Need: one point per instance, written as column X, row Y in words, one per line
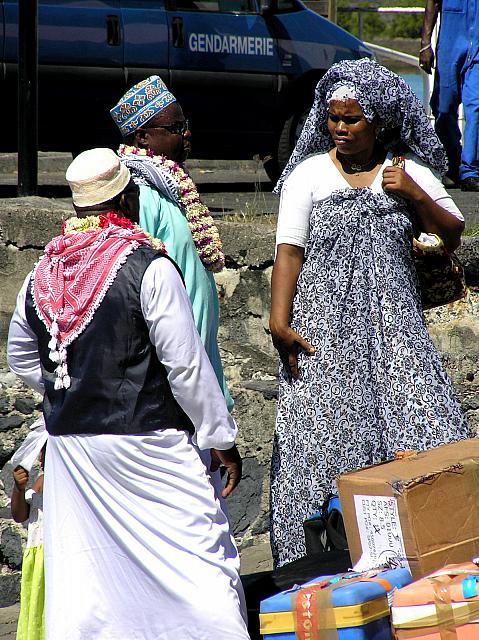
column 95, row 176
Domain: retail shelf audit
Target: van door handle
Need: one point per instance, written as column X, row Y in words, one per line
column 177, row 33
column 113, row 32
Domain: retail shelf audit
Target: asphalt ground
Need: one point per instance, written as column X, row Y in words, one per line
column 8, row 622
column 233, row 188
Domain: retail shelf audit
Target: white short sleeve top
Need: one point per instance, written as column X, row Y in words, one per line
column 316, row 177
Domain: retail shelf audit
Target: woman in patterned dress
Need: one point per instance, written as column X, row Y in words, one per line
column 360, row 378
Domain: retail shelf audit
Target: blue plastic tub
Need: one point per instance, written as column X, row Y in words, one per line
column 358, row 609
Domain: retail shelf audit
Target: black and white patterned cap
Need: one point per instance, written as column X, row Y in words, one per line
column 381, row 94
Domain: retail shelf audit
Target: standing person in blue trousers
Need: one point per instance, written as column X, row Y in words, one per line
column 456, row 81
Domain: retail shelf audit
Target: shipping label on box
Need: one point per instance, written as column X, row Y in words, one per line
column 380, row 532
column 424, row 508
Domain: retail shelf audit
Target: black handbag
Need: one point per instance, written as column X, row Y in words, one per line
column 440, row 274
column 324, row 531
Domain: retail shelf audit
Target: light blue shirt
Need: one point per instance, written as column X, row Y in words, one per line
column 163, row 219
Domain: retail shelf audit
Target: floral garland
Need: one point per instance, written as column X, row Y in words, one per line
column 203, row 229
column 90, row 223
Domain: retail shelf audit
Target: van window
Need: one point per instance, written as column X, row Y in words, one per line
column 285, row 6
column 221, row 6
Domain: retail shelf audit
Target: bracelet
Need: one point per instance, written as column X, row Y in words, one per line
column 428, row 46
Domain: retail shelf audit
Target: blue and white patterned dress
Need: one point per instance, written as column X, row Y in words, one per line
column 375, row 384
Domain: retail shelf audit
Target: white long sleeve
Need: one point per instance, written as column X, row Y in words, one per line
column 22, row 345
column 168, row 314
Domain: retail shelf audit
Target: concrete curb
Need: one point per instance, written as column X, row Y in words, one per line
column 57, row 162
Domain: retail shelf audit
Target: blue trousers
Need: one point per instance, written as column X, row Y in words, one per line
column 456, row 81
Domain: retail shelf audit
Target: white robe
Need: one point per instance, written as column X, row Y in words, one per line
column 137, row 540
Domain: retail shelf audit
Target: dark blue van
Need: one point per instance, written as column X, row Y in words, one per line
column 243, row 70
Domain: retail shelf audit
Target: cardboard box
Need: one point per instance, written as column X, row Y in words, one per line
column 421, row 512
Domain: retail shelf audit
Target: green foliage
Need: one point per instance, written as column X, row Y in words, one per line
column 348, row 21
column 473, row 231
column 379, row 25
column 395, row 3
column 373, row 24
column 405, row 26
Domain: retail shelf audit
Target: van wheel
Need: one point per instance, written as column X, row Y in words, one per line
column 289, row 135
column 272, row 169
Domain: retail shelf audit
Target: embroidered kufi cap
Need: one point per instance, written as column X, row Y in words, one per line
column 140, row 104
column 95, row 176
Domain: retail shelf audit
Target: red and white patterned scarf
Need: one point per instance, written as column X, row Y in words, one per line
column 71, row 279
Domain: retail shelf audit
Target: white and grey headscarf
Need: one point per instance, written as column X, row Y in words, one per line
column 381, row 94
column 146, row 171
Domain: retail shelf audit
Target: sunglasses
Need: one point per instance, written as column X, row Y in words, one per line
column 177, row 128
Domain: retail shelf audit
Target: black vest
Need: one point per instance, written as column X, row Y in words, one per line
column 118, row 385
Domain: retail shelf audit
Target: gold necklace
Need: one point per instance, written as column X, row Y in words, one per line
column 356, row 166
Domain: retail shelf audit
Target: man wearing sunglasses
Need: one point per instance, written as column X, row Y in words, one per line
column 167, row 134
column 156, row 144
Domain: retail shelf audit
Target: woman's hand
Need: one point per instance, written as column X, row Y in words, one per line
column 430, row 216
column 287, row 266
column 396, row 180
column 288, row 343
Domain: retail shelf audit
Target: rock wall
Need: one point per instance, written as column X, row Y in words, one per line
column 248, row 356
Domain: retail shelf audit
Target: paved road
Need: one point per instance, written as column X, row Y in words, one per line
column 229, row 187
column 238, row 188
column 8, row 622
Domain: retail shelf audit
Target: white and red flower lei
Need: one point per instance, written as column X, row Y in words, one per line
column 89, row 223
column 203, row 229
